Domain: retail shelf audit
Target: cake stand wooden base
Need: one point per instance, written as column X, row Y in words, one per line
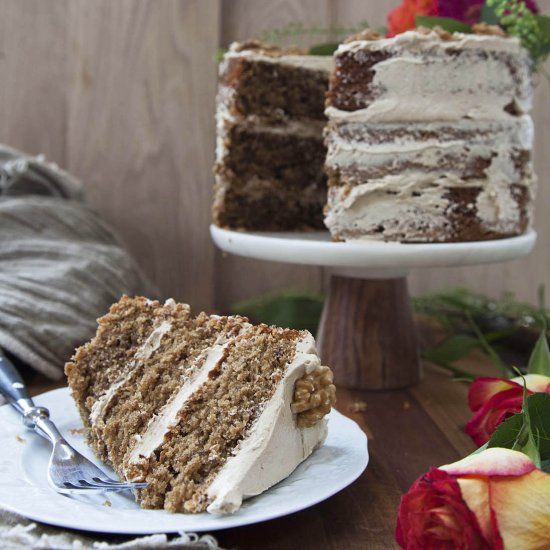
column 367, row 335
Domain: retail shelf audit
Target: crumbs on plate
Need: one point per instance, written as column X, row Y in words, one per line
column 358, row 406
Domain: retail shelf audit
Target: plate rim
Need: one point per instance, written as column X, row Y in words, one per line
column 52, row 519
column 315, row 248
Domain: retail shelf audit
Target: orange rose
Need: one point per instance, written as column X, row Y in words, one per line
column 402, row 18
column 493, row 499
column 495, row 399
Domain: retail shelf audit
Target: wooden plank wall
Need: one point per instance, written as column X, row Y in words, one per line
column 122, row 94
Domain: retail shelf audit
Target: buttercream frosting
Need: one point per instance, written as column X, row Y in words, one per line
column 275, row 445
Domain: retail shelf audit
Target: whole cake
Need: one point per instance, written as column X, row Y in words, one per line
column 208, row 410
column 429, row 137
column 270, row 152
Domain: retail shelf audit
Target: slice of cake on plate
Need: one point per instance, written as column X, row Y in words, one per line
column 429, row 137
column 207, row 409
column 270, row 152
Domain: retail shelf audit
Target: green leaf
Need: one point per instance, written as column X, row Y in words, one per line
column 539, row 362
column 530, row 446
column 507, row 432
column 545, row 466
column 327, row 48
column 527, row 431
column 446, row 23
column 488, row 15
column 452, row 348
column 544, row 24
column 287, row 309
column 538, row 405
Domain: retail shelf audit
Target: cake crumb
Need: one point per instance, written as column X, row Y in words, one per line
column 406, row 405
column 77, row 431
column 358, row 406
column 108, row 503
column 20, row 439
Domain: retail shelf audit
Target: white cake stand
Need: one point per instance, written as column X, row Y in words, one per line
column 367, row 334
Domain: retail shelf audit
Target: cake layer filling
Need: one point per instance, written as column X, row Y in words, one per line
column 160, row 424
column 423, row 209
column 416, row 76
column 428, row 145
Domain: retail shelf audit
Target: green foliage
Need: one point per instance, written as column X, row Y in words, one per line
column 475, row 321
column 452, row 348
column 287, row 309
column 312, row 34
column 446, row 23
column 451, row 306
column 528, row 431
column 328, row 48
column 218, row 56
column 516, row 19
column 488, row 15
column 539, row 362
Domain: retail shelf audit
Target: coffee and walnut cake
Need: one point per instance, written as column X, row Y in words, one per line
column 207, row 409
column 270, row 152
column 429, row 137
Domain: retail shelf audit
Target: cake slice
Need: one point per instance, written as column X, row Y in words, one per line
column 270, row 151
column 207, row 409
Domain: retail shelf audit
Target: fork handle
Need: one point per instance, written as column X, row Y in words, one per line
column 12, row 386
column 14, row 390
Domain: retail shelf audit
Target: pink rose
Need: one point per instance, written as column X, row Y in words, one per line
column 402, row 18
column 494, row 499
column 495, row 399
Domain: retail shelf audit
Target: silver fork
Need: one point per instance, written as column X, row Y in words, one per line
column 68, row 470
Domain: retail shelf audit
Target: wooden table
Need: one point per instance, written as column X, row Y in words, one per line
column 408, row 430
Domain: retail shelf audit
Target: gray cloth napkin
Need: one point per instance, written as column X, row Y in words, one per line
column 61, row 267
column 18, row 533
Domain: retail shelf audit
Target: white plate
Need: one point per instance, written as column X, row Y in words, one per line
column 24, row 489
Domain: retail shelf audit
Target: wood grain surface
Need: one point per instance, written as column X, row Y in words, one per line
column 122, row 94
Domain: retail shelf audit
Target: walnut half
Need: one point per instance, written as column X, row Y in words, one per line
column 314, row 395
column 484, row 28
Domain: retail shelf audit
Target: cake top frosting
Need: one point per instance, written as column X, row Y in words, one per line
column 484, row 37
column 259, row 51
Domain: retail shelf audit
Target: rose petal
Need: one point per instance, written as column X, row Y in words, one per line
column 491, row 462
column 433, row 515
column 482, row 389
column 534, row 382
column 402, row 18
column 475, row 492
column 522, row 508
column 487, row 418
